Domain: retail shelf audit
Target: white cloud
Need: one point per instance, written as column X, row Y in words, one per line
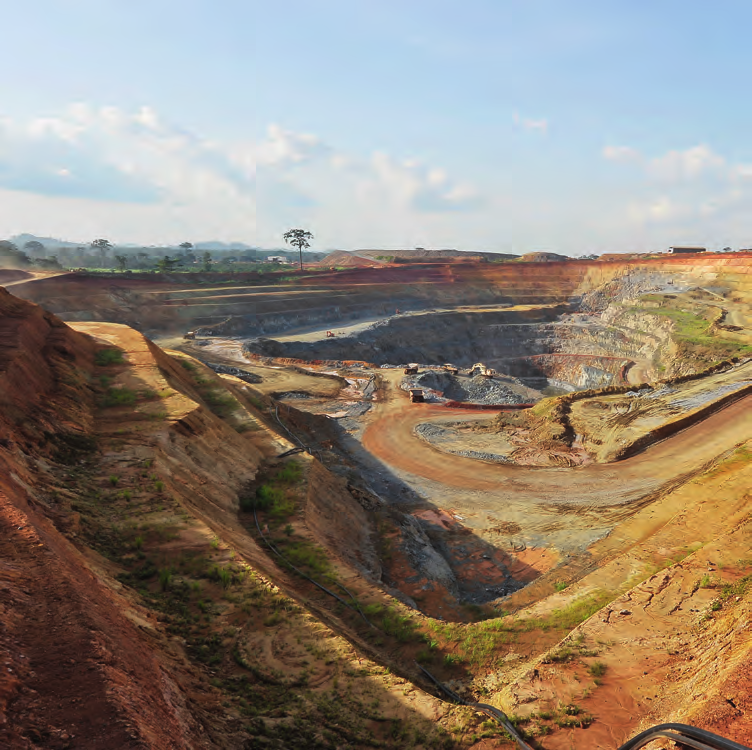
column 678, row 166
column 540, row 125
column 675, row 165
column 410, row 185
column 125, row 174
column 283, row 147
column 621, row 154
column 691, row 193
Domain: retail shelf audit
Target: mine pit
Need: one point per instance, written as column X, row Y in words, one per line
column 249, row 465
column 490, row 417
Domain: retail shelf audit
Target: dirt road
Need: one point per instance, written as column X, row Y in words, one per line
column 391, row 438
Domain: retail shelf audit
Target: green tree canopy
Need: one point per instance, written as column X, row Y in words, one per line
column 298, row 238
column 35, row 247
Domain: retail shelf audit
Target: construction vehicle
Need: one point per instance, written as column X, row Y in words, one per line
column 452, row 369
column 189, row 335
column 416, row 395
column 330, row 334
column 411, row 371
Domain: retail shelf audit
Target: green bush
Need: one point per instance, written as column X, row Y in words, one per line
column 289, row 474
column 165, row 577
column 306, row 555
column 400, row 626
column 282, row 507
column 223, row 576
column 267, row 495
column 106, row 357
column 597, row 669
column 119, row 397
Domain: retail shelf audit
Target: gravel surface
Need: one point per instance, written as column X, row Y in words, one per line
column 438, row 436
column 249, row 377
column 476, row 389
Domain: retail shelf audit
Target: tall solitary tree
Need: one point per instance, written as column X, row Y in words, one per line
column 298, row 238
column 186, row 245
column 206, row 259
column 122, row 261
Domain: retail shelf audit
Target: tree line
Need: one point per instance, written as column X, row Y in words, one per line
column 102, row 254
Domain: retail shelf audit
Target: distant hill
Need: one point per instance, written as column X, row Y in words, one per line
column 21, row 239
column 345, row 259
column 543, row 257
column 363, row 258
column 421, row 253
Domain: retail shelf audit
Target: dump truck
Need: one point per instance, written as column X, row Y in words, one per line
column 452, row 369
column 411, row 371
column 416, row 395
column 189, row 335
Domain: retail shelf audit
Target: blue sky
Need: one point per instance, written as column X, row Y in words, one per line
column 569, row 126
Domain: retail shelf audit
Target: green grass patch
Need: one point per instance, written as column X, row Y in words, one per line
column 597, row 669
column 694, row 329
column 118, row 397
column 105, row 357
column 312, row 559
column 220, row 402
column 572, row 614
column 290, row 474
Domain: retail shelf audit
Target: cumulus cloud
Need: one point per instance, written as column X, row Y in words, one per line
column 118, row 168
column 109, row 154
column 409, row 184
column 678, row 166
column 284, row 148
column 694, row 190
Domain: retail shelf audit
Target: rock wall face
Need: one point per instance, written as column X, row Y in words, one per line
column 246, row 304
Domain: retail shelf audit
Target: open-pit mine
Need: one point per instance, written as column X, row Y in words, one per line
column 419, row 505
